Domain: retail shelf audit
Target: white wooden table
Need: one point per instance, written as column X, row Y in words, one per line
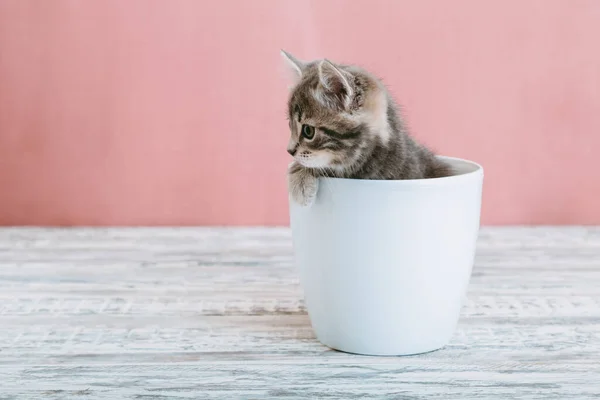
column 217, row 313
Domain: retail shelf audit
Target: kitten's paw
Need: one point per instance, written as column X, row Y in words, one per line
column 303, row 187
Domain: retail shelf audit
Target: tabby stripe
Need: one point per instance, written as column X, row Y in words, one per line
column 335, row 135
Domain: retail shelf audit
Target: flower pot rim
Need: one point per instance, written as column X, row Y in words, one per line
column 475, row 171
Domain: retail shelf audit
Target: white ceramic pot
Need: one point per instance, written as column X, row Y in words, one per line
column 385, row 264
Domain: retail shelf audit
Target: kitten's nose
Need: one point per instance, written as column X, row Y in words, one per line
column 292, row 150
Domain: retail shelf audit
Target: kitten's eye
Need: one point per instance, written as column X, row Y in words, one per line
column 308, row 131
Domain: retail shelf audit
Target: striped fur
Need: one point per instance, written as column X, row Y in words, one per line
column 345, row 124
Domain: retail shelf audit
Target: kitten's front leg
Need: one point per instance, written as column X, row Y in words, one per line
column 302, row 184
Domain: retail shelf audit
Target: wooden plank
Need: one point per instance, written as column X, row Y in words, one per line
column 174, row 313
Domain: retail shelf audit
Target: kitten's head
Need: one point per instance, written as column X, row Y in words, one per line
column 335, row 113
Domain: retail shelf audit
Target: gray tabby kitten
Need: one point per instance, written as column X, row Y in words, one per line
column 344, row 124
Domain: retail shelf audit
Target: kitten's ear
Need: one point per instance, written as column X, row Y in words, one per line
column 336, row 82
column 295, row 66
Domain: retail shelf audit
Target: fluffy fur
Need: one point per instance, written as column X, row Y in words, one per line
column 344, row 124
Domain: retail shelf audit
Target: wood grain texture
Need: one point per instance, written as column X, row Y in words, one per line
column 181, row 313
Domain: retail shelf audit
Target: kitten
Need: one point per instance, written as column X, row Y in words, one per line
column 344, row 124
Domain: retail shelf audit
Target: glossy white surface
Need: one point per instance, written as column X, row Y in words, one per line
column 385, row 264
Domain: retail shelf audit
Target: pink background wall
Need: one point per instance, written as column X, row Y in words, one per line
column 173, row 112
